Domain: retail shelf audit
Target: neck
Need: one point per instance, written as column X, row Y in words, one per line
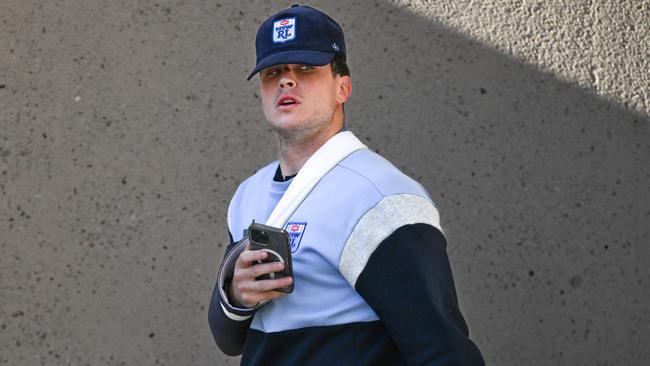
column 294, row 153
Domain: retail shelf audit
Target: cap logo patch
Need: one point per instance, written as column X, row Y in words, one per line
column 284, row 30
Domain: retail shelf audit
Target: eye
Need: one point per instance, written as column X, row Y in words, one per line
column 271, row 72
column 306, row 67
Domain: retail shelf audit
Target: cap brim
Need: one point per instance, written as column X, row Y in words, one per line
column 302, row 57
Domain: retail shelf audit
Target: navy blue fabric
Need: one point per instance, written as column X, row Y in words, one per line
column 228, row 334
column 317, row 38
column 348, row 344
column 301, row 57
column 408, row 283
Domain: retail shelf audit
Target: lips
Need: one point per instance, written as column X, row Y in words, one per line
column 286, row 101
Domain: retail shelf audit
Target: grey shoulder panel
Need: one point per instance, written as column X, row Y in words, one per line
column 391, row 213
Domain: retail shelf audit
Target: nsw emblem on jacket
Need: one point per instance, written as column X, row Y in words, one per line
column 296, row 231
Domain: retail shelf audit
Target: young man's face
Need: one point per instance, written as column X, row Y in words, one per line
column 300, row 100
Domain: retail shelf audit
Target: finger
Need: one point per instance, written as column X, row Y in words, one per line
column 265, row 285
column 248, row 257
column 257, row 270
column 274, row 294
column 250, row 293
column 254, row 298
column 253, row 255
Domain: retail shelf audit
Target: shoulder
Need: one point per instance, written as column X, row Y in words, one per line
column 400, row 201
column 369, row 186
column 261, row 175
column 375, row 170
column 251, row 184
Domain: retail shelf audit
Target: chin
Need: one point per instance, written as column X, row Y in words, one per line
column 285, row 129
column 285, row 121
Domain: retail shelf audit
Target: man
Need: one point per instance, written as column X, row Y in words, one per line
column 372, row 280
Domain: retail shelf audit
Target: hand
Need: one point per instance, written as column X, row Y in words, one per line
column 245, row 290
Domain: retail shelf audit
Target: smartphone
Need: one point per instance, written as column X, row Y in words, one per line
column 275, row 242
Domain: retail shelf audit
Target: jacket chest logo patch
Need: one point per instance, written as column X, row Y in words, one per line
column 296, row 231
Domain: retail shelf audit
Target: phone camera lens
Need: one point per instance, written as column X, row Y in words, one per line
column 260, row 236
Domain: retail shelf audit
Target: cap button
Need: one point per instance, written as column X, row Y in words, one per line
column 295, row 5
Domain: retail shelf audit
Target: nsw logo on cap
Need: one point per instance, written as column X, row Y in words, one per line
column 284, row 30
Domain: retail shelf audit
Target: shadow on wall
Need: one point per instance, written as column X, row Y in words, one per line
column 542, row 187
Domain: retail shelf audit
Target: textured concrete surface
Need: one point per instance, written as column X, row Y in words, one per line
column 126, row 126
column 601, row 45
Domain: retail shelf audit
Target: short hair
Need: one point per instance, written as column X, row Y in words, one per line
column 340, row 66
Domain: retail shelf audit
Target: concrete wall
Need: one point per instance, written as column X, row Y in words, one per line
column 125, row 127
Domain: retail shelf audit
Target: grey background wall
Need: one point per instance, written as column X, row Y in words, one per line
column 125, row 127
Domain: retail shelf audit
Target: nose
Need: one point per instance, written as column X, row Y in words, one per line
column 287, row 80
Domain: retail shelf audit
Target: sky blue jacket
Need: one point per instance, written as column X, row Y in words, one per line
column 372, row 279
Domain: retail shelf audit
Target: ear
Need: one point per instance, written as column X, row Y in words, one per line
column 344, row 88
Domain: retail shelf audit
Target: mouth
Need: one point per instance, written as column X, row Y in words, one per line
column 286, row 101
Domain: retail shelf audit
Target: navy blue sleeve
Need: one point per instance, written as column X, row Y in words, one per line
column 408, row 283
column 229, row 334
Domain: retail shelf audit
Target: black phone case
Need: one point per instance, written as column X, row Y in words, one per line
column 276, row 242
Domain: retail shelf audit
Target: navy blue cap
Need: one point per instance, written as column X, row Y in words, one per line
column 298, row 35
